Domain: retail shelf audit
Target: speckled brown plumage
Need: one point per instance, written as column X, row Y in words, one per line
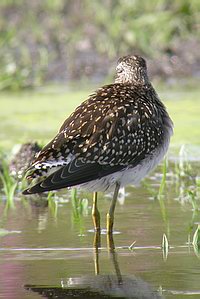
column 118, row 127
column 23, row 159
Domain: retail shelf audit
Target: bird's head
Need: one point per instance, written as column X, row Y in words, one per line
column 131, row 69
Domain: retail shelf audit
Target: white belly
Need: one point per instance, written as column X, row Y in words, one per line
column 129, row 175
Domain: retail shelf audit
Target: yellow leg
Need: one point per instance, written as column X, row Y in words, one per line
column 113, row 257
column 95, row 213
column 110, row 242
column 97, row 240
column 97, row 245
column 110, row 215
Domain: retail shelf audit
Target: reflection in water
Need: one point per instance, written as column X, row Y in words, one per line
column 99, row 286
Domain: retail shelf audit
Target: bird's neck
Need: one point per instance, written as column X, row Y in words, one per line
column 133, row 80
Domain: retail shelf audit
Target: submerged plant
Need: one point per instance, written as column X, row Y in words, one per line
column 52, row 203
column 8, row 182
column 160, row 195
column 196, row 237
column 183, row 167
column 165, row 247
column 79, row 209
column 132, row 246
column 196, row 241
column 163, row 181
column 187, row 182
column 192, row 194
column 80, row 206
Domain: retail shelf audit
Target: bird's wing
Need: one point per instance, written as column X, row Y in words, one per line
column 83, row 127
column 73, row 174
column 105, row 134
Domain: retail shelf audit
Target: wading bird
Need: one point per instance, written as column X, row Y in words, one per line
column 114, row 138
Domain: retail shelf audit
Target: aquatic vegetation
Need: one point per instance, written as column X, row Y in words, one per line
column 196, row 241
column 163, row 181
column 165, row 247
column 184, row 176
column 192, row 195
column 52, row 203
column 50, row 196
column 182, row 166
column 80, row 206
column 196, row 237
column 8, row 182
column 80, row 209
column 131, row 247
column 161, row 194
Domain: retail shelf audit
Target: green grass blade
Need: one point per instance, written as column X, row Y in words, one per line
column 165, row 247
column 196, row 241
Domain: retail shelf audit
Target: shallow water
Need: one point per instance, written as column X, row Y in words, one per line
column 47, row 249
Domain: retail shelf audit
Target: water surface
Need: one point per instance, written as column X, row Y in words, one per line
column 47, row 249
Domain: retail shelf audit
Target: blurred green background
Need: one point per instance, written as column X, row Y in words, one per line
column 64, row 40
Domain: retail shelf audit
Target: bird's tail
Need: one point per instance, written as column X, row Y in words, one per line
column 38, row 172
